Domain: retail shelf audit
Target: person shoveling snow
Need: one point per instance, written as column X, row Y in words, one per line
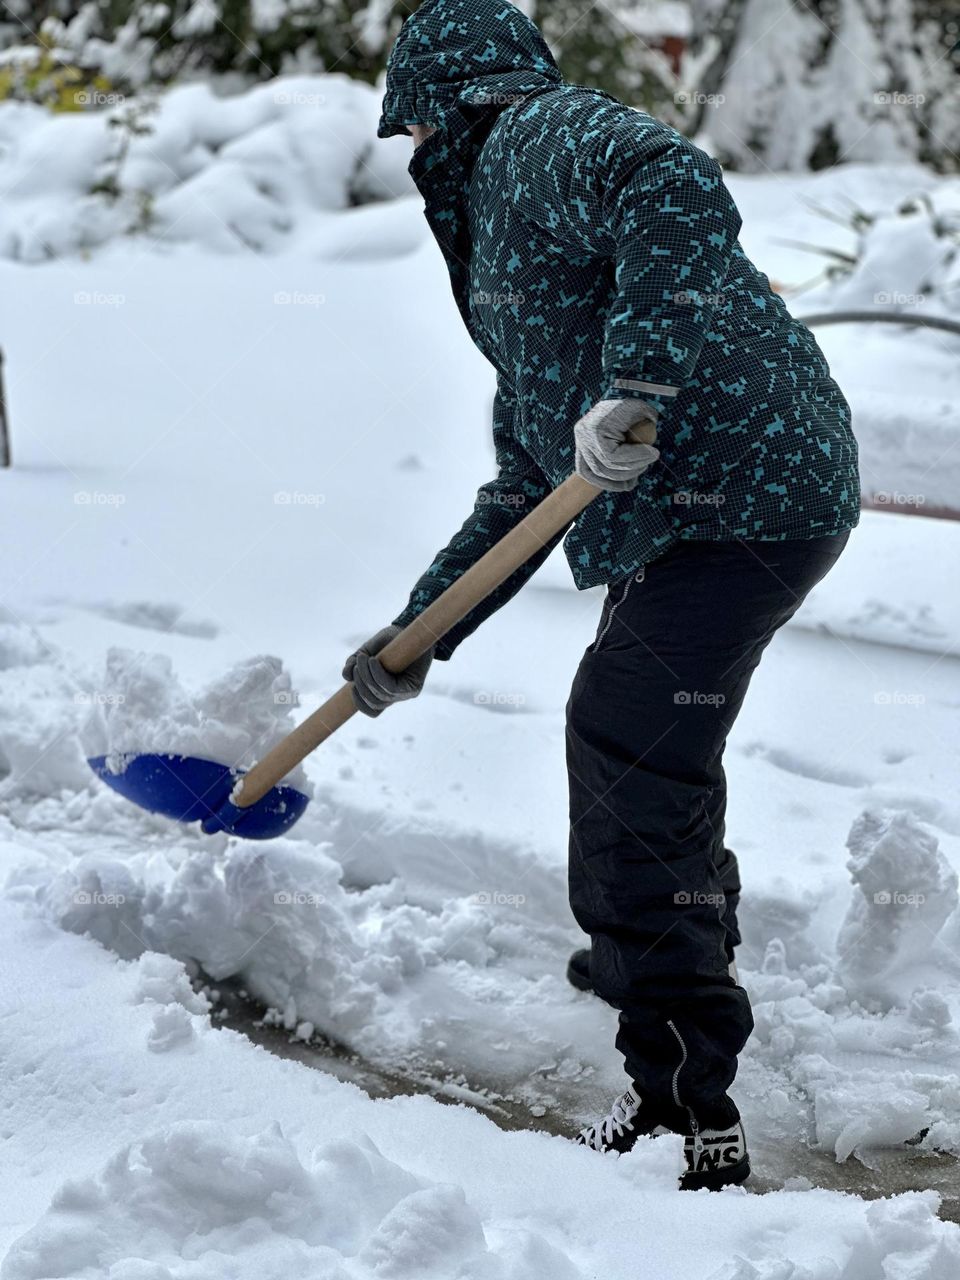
column 660, row 411
column 593, row 255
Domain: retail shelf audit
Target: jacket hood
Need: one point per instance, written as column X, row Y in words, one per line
column 451, row 54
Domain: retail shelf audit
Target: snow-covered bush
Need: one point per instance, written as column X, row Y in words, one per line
column 907, row 258
column 230, row 173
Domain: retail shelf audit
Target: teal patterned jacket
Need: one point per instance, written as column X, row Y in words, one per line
column 593, row 254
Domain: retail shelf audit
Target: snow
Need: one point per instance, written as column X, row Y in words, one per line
column 235, row 720
column 256, row 454
column 212, row 1158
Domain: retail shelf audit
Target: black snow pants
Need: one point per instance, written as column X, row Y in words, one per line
column 651, row 879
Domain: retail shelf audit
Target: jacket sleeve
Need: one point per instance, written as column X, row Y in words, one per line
column 519, row 487
column 624, row 186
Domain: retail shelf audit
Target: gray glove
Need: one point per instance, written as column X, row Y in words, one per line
column 375, row 688
column 604, row 457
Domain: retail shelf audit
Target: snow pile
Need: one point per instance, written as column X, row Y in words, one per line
column 250, row 171
column 342, row 961
column 195, row 1202
column 899, row 1240
column 907, row 892
column 877, row 1000
column 235, row 720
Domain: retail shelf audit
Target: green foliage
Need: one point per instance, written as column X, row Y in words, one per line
column 39, row 77
column 160, row 43
column 593, row 46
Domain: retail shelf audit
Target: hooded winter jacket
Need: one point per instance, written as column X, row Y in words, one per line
column 593, row 254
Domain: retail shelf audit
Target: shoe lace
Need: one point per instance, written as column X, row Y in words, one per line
column 621, row 1117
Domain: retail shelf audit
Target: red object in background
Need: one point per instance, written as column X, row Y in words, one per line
column 672, row 47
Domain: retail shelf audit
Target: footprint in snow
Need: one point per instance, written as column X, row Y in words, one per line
column 149, row 616
column 501, row 701
column 816, row 770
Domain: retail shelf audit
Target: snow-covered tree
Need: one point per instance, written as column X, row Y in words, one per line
column 807, row 85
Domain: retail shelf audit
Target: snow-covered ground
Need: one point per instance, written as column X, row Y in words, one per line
column 225, row 455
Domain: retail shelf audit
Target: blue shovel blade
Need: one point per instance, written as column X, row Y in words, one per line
column 192, row 790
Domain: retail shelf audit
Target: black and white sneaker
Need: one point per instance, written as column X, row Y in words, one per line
column 715, row 1158
column 629, row 1119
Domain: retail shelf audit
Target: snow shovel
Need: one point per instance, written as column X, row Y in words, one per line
column 256, row 804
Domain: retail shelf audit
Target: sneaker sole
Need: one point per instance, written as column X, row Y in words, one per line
column 717, row 1179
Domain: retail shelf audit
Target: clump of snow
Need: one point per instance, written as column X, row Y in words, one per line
column 906, row 891
column 101, row 898
column 235, row 720
column 20, row 645
column 42, row 709
column 197, row 1200
column 163, row 981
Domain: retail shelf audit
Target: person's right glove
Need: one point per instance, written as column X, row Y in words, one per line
column 374, row 687
column 604, row 455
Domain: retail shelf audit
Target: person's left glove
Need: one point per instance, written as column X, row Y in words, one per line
column 374, row 687
column 605, row 457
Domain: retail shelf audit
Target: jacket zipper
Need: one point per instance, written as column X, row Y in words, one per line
column 694, row 1126
column 637, row 577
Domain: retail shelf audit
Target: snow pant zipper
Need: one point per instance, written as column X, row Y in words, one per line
column 637, row 577
column 694, row 1125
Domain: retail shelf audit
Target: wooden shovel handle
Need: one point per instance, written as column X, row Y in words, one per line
column 555, row 513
